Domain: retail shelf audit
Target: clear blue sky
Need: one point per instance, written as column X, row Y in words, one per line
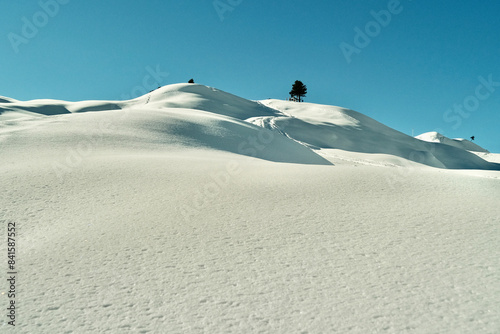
column 415, row 68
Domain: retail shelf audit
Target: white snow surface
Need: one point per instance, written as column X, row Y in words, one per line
column 191, row 210
column 436, row 137
column 4, row 99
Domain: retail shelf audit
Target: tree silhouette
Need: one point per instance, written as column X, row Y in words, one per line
column 298, row 90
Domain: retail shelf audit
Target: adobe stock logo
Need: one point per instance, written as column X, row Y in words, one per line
column 223, row 6
column 471, row 103
column 31, row 27
column 372, row 29
column 155, row 78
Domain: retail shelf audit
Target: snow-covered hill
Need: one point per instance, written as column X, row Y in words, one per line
column 191, row 210
column 199, row 116
column 464, row 144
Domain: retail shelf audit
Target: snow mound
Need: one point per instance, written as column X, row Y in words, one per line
column 200, row 97
column 4, row 99
column 323, row 127
column 464, row 144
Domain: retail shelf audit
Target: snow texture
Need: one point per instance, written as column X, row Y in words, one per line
column 191, row 210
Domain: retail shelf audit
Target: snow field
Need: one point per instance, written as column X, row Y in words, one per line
column 191, row 210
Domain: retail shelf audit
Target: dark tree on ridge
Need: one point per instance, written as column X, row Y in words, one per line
column 298, row 90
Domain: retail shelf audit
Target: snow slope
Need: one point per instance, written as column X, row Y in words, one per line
column 327, row 127
column 156, row 216
column 491, row 157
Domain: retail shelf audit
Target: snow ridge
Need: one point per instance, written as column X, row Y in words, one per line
column 200, row 116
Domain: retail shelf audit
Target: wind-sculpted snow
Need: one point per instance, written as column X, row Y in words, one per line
column 205, row 98
column 464, row 144
column 4, row 99
column 55, row 107
column 329, row 127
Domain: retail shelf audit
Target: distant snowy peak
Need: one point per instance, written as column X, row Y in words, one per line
column 464, row 144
